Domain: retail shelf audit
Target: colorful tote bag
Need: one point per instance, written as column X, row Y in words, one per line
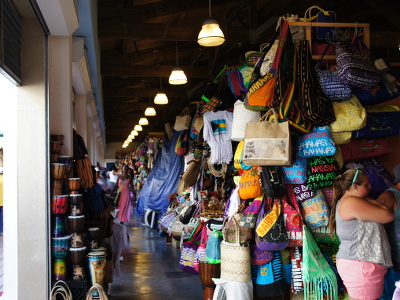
column 293, row 223
column 261, row 90
column 322, row 171
column 315, row 211
column 249, row 185
column 316, row 143
column 268, row 280
column 355, row 66
column 380, row 122
column 296, row 173
column 387, row 89
column 271, row 230
column 320, row 281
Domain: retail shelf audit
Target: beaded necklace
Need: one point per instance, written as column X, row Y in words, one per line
column 214, row 171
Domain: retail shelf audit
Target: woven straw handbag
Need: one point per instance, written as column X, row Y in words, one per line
column 182, row 122
column 235, row 259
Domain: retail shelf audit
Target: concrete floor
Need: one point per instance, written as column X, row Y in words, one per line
column 150, row 269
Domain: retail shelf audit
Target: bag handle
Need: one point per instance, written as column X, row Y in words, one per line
column 61, row 289
column 96, row 287
column 264, row 118
column 308, row 11
column 185, row 112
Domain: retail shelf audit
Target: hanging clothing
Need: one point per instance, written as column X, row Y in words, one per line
column 124, row 203
column 217, row 132
column 163, row 178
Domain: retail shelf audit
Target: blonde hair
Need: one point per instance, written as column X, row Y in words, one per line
column 341, row 184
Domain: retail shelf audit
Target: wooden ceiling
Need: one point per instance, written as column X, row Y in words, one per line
column 141, row 41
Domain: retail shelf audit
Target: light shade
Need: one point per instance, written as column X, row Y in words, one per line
column 177, row 77
column 131, row 136
column 150, row 112
column 134, row 132
column 160, row 99
column 143, row 121
column 210, row 35
column 138, row 128
column 128, row 140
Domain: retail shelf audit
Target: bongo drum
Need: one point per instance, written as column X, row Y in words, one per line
column 55, row 146
column 60, row 251
column 57, row 187
column 59, row 204
column 76, row 205
column 77, row 240
column 208, row 271
column 97, row 264
column 57, row 170
column 67, row 160
column 74, row 184
column 78, row 256
column 94, row 235
column 58, row 226
column 75, row 224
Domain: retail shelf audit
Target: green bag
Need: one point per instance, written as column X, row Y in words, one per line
column 320, row 281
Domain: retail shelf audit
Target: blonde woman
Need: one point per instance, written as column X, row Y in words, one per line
column 364, row 252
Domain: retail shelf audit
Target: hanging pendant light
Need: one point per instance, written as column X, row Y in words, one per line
column 134, row 132
column 143, row 121
column 161, row 98
column 150, row 112
column 177, row 76
column 138, row 128
column 210, row 35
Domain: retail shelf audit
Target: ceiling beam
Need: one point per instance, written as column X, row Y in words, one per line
column 127, row 92
column 387, row 10
column 143, row 57
column 152, row 12
column 152, row 31
column 109, row 69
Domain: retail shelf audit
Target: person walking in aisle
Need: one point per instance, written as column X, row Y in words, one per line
column 124, row 200
column 364, row 252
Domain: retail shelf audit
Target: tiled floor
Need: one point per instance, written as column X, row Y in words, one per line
column 150, row 269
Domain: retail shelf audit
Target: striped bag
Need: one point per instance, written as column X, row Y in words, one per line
column 268, row 280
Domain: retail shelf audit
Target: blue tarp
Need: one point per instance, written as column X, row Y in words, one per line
column 163, row 178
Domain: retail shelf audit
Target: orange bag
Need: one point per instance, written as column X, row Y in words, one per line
column 260, row 96
column 249, row 185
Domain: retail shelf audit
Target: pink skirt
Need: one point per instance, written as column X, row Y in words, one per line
column 363, row 280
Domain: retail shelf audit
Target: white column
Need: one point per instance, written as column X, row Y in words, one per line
column 81, row 115
column 89, row 140
column 26, row 176
column 60, row 89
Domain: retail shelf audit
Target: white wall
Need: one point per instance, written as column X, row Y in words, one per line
column 26, row 173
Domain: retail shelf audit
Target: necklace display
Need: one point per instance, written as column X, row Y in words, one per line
column 214, row 171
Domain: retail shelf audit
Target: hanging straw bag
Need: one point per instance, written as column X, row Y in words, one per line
column 182, row 122
column 235, row 259
column 60, row 290
column 242, row 116
column 267, row 143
